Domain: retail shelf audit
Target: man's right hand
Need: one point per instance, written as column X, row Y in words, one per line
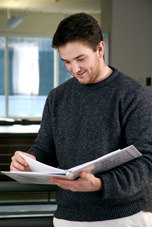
column 18, row 163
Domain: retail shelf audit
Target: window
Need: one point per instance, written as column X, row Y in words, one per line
column 30, row 76
column 2, row 77
column 106, row 52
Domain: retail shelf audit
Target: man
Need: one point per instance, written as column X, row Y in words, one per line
column 96, row 112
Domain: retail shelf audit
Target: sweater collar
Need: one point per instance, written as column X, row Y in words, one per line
column 100, row 84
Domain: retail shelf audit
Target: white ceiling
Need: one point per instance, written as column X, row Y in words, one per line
column 51, row 6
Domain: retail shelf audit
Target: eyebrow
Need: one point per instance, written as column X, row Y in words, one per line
column 81, row 55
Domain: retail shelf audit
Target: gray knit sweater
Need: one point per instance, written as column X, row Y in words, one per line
column 83, row 122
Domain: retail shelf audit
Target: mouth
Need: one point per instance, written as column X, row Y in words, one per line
column 80, row 74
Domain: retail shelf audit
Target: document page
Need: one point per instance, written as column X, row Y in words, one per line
column 37, row 166
column 106, row 162
column 29, row 177
column 42, row 172
column 40, row 175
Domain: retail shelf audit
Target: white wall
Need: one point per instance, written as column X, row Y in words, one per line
column 131, row 37
column 106, row 15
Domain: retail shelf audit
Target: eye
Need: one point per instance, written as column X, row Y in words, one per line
column 66, row 62
column 81, row 59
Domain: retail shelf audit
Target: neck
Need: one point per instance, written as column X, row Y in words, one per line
column 105, row 71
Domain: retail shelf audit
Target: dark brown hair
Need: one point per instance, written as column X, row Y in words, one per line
column 78, row 27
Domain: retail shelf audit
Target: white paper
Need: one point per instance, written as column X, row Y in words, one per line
column 37, row 166
column 106, row 162
column 41, row 172
column 30, row 177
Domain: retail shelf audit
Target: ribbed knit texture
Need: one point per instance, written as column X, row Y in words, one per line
column 83, row 122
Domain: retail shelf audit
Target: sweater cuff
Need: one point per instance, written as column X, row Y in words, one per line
column 100, row 192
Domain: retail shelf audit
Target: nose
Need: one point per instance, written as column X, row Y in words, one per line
column 75, row 67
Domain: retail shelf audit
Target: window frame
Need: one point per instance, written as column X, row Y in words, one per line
column 6, row 74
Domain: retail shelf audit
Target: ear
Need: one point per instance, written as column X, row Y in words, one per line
column 100, row 49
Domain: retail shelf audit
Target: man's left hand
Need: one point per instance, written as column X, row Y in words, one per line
column 87, row 182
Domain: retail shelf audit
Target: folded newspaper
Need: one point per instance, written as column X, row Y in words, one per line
column 41, row 173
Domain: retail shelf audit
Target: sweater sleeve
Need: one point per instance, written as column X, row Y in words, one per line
column 130, row 178
column 44, row 147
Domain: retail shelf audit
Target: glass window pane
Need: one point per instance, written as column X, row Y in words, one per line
column 31, row 72
column 2, row 77
column 63, row 72
column 106, row 51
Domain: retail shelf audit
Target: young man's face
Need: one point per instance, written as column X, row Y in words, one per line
column 82, row 62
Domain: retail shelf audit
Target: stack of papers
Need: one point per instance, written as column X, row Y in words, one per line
column 41, row 172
